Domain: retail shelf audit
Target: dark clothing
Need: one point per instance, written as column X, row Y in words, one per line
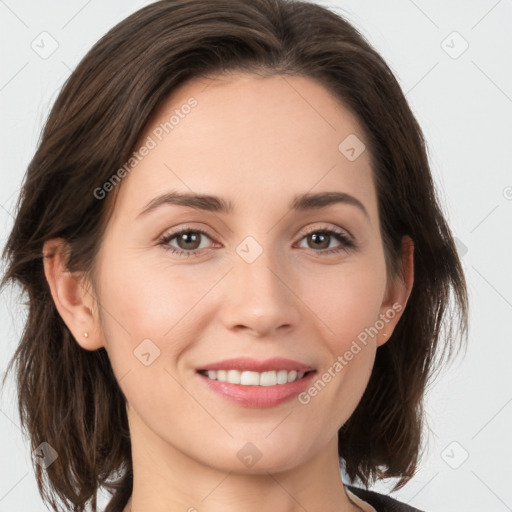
column 380, row 502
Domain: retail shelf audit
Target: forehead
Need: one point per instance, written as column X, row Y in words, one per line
column 246, row 137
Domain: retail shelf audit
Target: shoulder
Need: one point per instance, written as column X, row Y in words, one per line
column 380, row 502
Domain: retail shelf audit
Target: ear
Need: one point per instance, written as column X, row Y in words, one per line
column 397, row 293
column 72, row 294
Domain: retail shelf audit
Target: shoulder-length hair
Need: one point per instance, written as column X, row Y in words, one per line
column 68, row 396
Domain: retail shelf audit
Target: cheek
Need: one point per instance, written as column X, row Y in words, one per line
column 350, row 309
column 348, row 313
column 346, row 299
column 145, row 316
column 142, row 300
column 150, row 298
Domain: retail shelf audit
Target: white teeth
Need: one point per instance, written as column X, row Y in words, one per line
column 282, row 377
column 268, row 379
column 247, row 378
column 233, row 376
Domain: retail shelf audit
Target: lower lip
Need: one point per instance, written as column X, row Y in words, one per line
column 260, row 397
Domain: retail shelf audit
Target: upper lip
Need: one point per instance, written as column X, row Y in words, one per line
column 249, row 364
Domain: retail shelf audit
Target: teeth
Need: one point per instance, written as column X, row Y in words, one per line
column 233, row 376
column 247, row 378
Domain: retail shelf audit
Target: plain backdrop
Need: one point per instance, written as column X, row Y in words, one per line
column 453, row 61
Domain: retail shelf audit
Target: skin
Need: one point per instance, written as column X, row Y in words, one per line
column 257, row 142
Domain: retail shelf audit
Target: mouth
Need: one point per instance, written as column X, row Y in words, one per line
column 252, row 378
column 258, row 384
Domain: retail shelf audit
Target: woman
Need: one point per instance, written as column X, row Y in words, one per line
column 300, row 328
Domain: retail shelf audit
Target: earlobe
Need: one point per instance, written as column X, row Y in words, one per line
column 72, row 299
column 399, row 292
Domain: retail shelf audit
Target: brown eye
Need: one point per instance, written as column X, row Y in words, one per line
column 319, row 240
column 188, row 240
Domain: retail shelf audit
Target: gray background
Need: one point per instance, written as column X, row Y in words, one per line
column 463, row 101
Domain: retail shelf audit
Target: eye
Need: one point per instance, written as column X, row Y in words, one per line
column 322, row 238
column 188, row 240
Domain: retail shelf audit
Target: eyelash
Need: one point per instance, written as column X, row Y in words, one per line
column 347, row 243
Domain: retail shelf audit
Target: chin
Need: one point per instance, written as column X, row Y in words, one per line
column 256, row 458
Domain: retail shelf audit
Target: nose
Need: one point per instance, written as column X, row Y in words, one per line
column 260, row 296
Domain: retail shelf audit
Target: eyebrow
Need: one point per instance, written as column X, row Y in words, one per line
column 303, row 202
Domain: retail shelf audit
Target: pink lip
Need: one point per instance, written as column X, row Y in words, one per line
column 247, row 364
column 258, row 396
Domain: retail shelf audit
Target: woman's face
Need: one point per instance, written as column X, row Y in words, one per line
column 263, row 280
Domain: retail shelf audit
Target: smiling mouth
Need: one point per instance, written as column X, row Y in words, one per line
column 250, row 378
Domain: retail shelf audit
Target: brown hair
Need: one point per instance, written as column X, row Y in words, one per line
column 68, row 396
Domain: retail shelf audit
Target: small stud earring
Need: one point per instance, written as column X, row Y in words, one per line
column 384, row 334
column 86, row 334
